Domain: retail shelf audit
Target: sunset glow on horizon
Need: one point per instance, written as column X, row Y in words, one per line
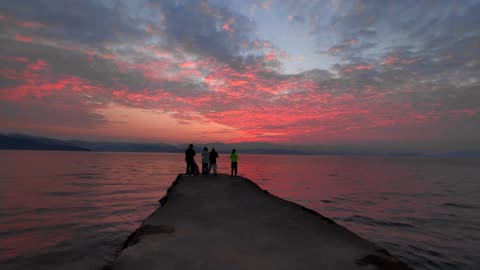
column 306, row 72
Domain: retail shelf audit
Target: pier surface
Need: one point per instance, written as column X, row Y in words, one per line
column 223, row 222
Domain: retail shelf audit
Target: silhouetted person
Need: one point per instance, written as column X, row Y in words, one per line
column 234, row 159
column 189, row 154
column 205, row 159
column 213, row 161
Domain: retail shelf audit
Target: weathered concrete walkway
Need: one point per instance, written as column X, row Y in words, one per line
column 228, row 222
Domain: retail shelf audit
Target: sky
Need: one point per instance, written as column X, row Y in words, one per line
column 379, row 73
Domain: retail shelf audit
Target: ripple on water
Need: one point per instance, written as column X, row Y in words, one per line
column 36, row 202
column 431, row 259
column 371, row 221
column 83, row 175
column 457, row 205
column 123, row 191
column 86, row 184
column 65, row 194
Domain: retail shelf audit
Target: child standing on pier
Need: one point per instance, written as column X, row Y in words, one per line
column 234, row 159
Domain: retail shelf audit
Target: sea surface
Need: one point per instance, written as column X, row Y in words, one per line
column 74, row 210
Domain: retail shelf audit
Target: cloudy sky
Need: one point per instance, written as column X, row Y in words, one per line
column 378, row 72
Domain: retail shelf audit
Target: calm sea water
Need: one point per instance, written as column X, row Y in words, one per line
column 74, row 210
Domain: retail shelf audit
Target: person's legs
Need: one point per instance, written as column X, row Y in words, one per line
column 235, row 167
column 204, row 168
column 214, row 168
column 187, row 169
column 190, row 167
column 231, row 169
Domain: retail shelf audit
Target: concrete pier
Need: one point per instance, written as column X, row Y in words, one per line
column 228, row 222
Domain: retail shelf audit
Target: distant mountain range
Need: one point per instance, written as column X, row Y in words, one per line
column 29, row 142
column 24, row 142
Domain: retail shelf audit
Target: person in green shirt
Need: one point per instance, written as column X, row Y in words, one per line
column 234, row 159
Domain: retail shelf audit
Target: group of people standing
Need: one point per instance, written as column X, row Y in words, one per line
column 209, row 161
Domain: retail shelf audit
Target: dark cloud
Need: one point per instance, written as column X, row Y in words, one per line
column 89, row 21
column 63, row 61
column 204, row 29
column 58, row 110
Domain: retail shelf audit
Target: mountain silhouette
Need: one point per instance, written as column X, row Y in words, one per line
column 24, row 142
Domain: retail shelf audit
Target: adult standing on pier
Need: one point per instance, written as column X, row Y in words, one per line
column 213, row 161
column 205, row 160
column 234, row 159
column 189, row 159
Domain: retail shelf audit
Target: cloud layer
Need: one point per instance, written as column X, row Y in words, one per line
column 368, row 72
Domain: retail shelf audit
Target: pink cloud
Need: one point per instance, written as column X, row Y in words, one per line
column 261, row 44
column 37, row 66
column 295, row 112
column 352, row 41
column 37, row 80
column 270, row 56
column 468, row 112
column 24, row 24
column 14, row 59
column 256, row 103
column 266, row 4
column 227, row 26
column 358, row 67
column 149, row 29
column 23, row 38
column 334, row 50
column 188, row 64
column 393, row 60
column 30, row 24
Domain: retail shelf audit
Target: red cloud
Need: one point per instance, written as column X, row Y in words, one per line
column 355, row 68
column 261, row 44
column 30, row 24
column 393, row 60
column 334, row 50
column 352, row 41
column 469, row 112
column 256, row 103
column 24, row 24
column 14, row 59
column 36, row 80
column 266, row 5
column 270, row 56
column 294, row 104
column 228, row 26
column 188, row 64
column 23, row 38
column 37, row 66
column 148, row 29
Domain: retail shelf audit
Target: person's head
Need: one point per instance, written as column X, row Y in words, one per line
column 233, row 151
column 205, row 149
column 213, row 149
column 190, row 146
